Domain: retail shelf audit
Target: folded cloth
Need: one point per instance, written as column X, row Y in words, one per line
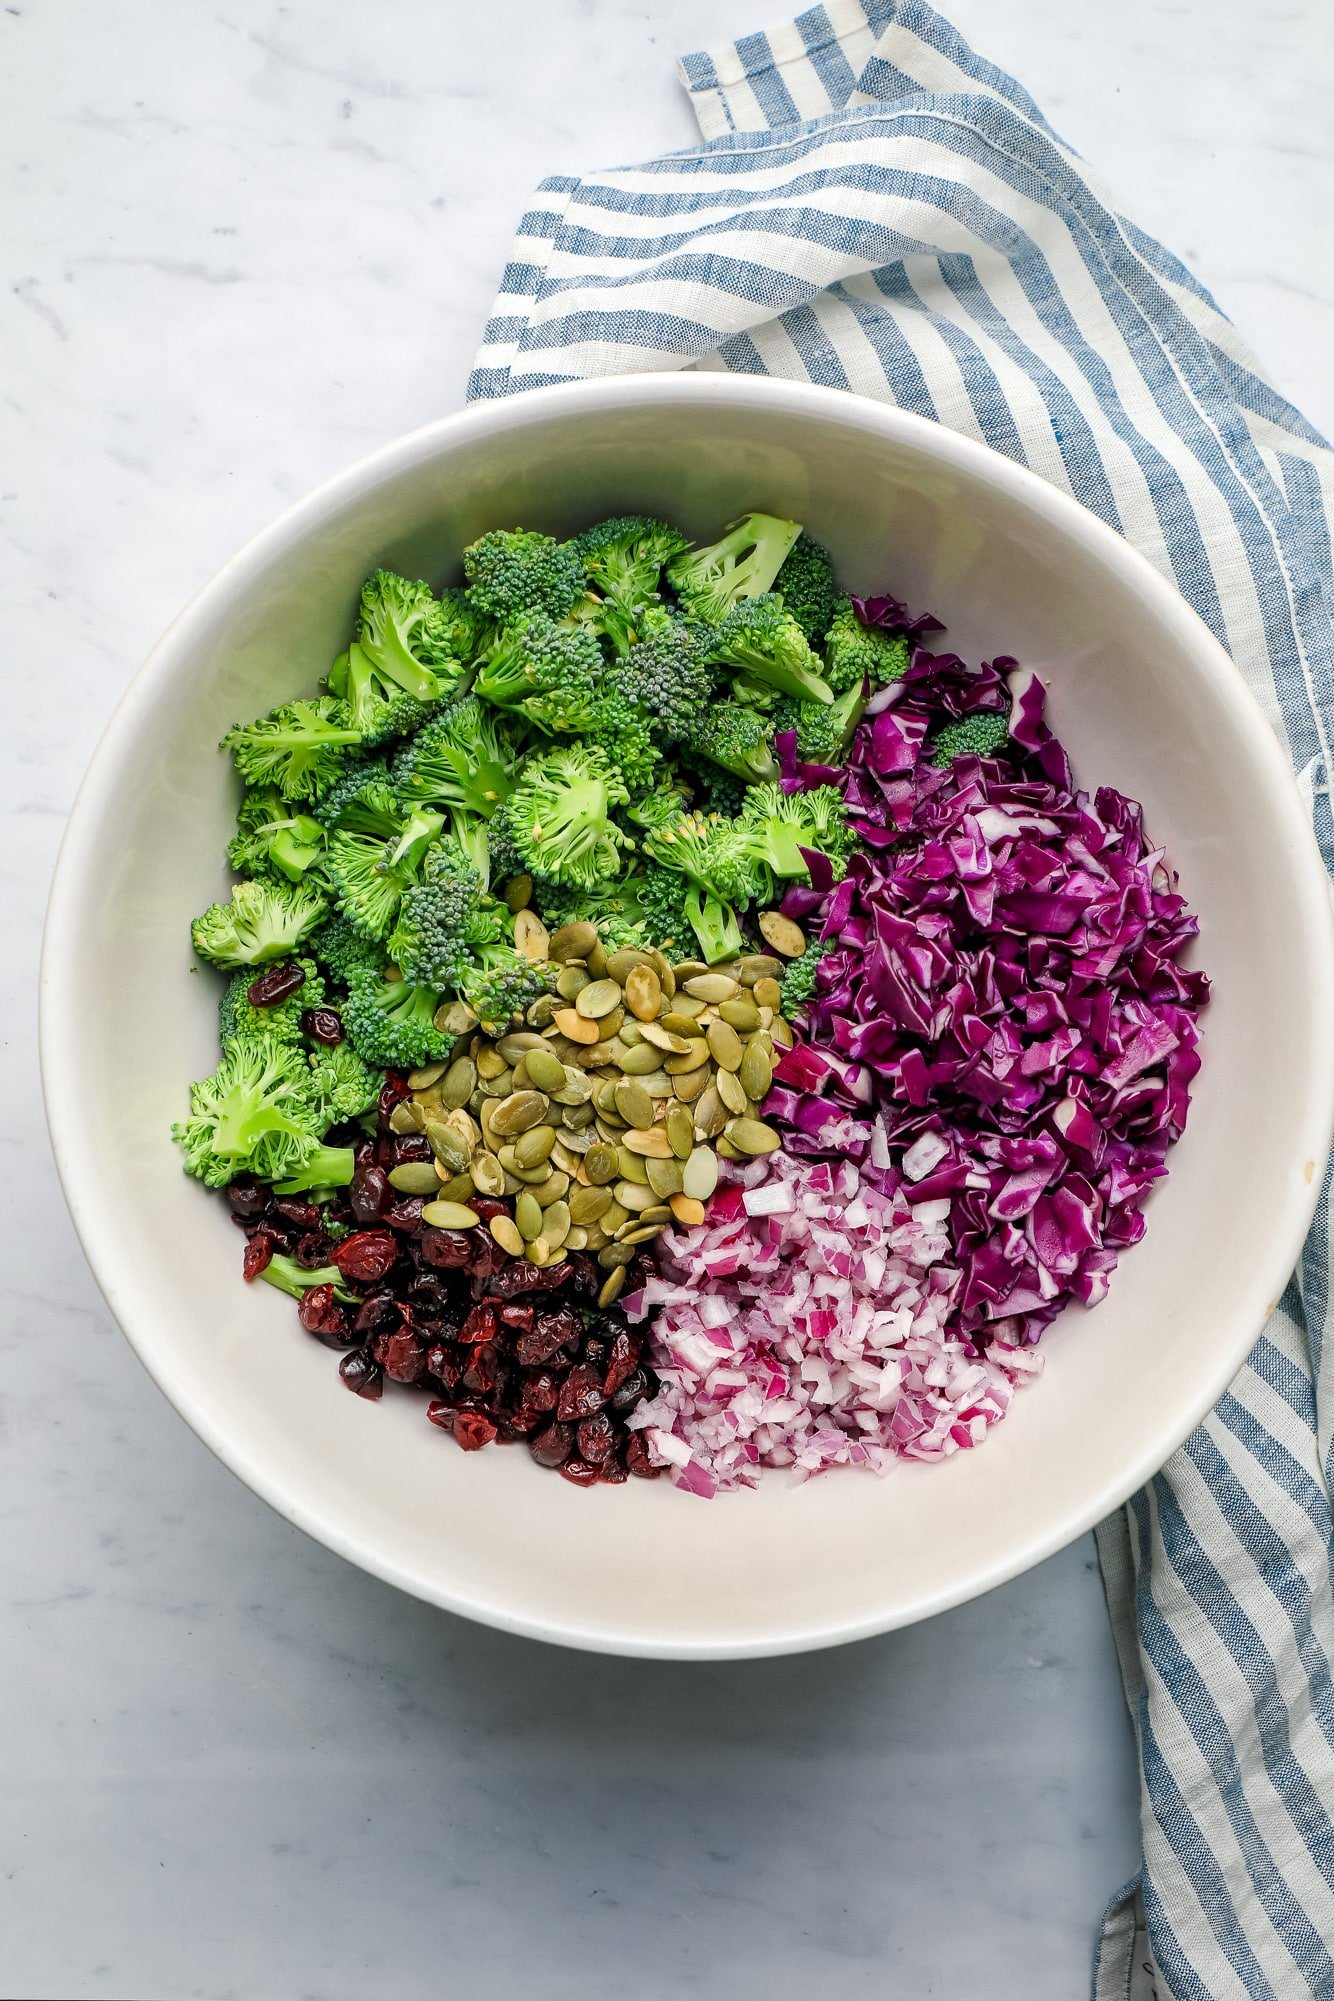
column 879, row 209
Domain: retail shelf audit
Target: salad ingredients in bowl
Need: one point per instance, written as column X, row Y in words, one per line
column 675, row 1019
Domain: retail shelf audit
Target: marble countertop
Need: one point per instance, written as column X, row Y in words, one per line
column 244, row 245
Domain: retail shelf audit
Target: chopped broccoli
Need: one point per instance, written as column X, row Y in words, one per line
column 823, row 730
column 444, row 919
column 626, row 556
column 660, row 894
column 255, row 1115
column 741, row 564
column 272, row 839
column 716, row 857
column 362, row 801
column 548, row 672
column 376, row 707
column 559, row 816
column 289, row 1276
column 459, row 762
column 806, row 585
column 328, row 1167
column 661, row 806
column 855, row 653
column 714, row 789
column 369, row 875
column 736, row 738
column 405, row 634
column 667, row 673
column 979, row 735
column 392, row 1023
column 345, row 1085
column 799, row 979
column 779, row 824
column 515, row 570
column 345, row 954
column 282, row 1021
column 623, row 732
column 502, row 985
column 767, row 645
column 465, row 630
column 258, row 922
column 300, row 747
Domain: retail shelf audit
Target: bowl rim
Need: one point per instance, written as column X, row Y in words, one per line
column 76, row 862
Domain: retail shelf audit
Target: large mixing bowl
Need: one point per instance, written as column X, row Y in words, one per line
column 1145, row 700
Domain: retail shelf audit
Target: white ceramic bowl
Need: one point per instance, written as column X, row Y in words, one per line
column 1144, row 699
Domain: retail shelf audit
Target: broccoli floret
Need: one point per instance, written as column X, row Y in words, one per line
column 767, row 645
column 623, row 561
column 256, row 1114
column 742, row 564
column 979, row 735
column 461, row 762
column 369, row 875
column 515, row 570
column 362, row 801
column 282, row 1021
column 258, row 922
column 717, row 858
column 712, row 788
column 285, row 1273
column 660, row 894
column 779, row 824
column 466, row 630
column 345, row 1086
column 300, row 747
column 559, row 816
column 823, row 730
column 548, row 672
column 799, row 979
column 622, row 731
column 667, row 673
column 502, row 985
column 405, row 634
column 444, row 919
column 346, row 955
column 736, row 738
column 377, row 708
column 854, row 653
column 806, row 585
column 392, row 1023
column 272, row 839
column 662, row 805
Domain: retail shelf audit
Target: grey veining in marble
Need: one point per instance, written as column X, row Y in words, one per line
column 244, row 244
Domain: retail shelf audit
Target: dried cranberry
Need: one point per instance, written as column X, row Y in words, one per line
column 257, row 1255
column 516, row 1276
column 321, row 1315
column 312, row 1250
column 448, row 1249
column 631, row 1392
column 580, row 1394
column 393, row 1091
column 248, row 1199
column 637, row 1460
column 445, row 1364
column 579, row 1473
column 304, row 1215
column 403, row 1356
column 595, row 1353
column 596, row 1438
column 405, row 1214
column 584, row 1277
column 553, row 1446
column 473, row 1431
column 555, row 1328
column 323, row 1024
column 414, row 1147
column 276, row 984
column 612, row 1473
column 487, row 1206
column 540, row 1390
column 369, row 1192
column 483, row 1368
column 378, row 1311
column 480, row 1325
column 364, row 1377
column 441, row 1413
column 520, row 1317
column 622, row 1361
column 365, row 1256
column 430, row 1298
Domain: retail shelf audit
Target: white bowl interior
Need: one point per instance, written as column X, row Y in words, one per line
column 1144, row 701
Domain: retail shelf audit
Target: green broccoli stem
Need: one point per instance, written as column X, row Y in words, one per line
column 290, row 1277
column 328, row 1167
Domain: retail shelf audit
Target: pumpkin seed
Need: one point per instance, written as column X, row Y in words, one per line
column 659, row 1213
column 576, row 1027
column 407, row 1118
column 692, row 1057
column 518, row 893
column 726, row 1150
column 621, row 964
column 699, row 1176
column 781, row 1032
column 612, row 1257
column 488, row 1174
column 596, row 962
column 639, row 1060
column 666, row 977
column 546, row 1072
column 687, row 1211
column 454, row 1018
column 753, row 1136
column 570, row 981
column 632, row 1167
column 415, row 1177
column 528, row 1215
column 518, row 1043
column 632, row 1198
column 712, row 987
column 691, row 1085
column 554, row 1189
column 757, row 1072
column 664, row 1178
column 519, row 1111
column 576, row 1238
column 645, row 1235
column 573, row 941
column 576, row 1088
column 643, row 993
column 731, row 1091
column 725, row 1046
column 768, row 995
column 490, row 1063
column 574, row 1118
column 602, row 1164
column 658, row 1084
column 540, row 1012
column 506, row 1234
column 610, row 1222
column 556, row 1224
column 634, row 1103
column 757, row 966
column 531, row 937
column 498, row 1087
column 538, row 1252
column 532, row 1147
column 740, row 1014
column 611, row 1284
column 680, row 1129
column 710, row 1113
column 450, row 1216
column 454, row 1187
column 597, row 999
column 421, row 1080
column 681, row 1021
column 662, row 1038
column 687, row 969
column 788, row 939
column 589, row 1205
column 609, row 1025
column 651, row 1145
column 447, row 1145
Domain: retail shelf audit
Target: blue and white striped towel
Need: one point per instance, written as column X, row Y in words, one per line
column 878, row 209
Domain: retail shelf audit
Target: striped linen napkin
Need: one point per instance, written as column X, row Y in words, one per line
column 879, row 209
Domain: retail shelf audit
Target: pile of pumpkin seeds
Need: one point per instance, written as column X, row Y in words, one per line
column 605, row 1115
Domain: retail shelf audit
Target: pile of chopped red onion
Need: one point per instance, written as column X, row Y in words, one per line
column 993, row 1065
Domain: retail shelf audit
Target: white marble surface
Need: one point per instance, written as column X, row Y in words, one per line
column 244, row 244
